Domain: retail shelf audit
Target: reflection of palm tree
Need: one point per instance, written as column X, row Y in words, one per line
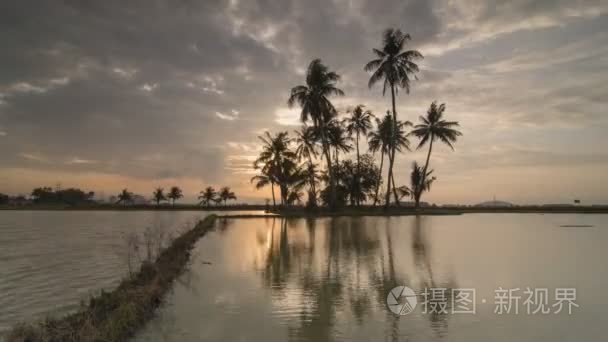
column 395, row 67
column 422, row 260
column 420, row 251
column 333, row 287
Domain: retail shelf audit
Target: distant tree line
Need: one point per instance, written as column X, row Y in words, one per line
column 208, row 197
column 71, row 196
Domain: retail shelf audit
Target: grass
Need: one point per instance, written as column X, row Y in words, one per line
column 117, row 315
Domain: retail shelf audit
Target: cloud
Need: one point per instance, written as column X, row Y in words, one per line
column 77, row 160
column 233, row 115
column 149, row 92
column 125, row 73
column 149, row 87
column 34, row 157
column 287, row 116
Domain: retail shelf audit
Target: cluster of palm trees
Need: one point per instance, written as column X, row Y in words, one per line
column 207, row 197
column 288, row 164
column 174, row 194
column 210, row 196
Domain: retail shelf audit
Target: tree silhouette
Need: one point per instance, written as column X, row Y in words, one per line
column 125, row 196
column 313, row 99
column 359, row 122
column 419, row 183
column 312, row 177
column 208, row 196
column 263, row 180
column 275, row 159
column 159, row 195
column 382, row 139
column 338, row 139
column 395, row 67
column 174, row 194
column 226, row 194
column 306, row 139
column 431, row 128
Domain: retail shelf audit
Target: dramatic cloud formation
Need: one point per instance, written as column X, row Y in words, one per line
column 113, row 94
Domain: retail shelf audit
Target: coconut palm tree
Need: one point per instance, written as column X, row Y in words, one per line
column 313, row 99
column 226, row 194
column 382, row 139
column 125, row 197
column 338, row 138
column 159, row 195
column 263, row 180
column 419, row 183
column 312, row 177
column 208, row 196
column 359, row 122
column 174, row 194
column 379, row 140
column 433, row 127
column 306, row 140
column 275, row 158
column 396, row 67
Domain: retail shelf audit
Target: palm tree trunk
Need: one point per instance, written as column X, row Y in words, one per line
column 312, row 183
column 391, row 155
column 274, row 202
column 332, row 178
column 423, row 179
column 394, row 189
column 358, row 169
column 389, row 177
column 379, row 177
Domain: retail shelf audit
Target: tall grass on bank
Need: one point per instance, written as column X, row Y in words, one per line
column 117, row 315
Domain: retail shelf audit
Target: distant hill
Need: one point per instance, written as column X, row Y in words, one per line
column 494, row 204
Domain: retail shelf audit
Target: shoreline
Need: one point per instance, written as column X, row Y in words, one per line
column 325, row 212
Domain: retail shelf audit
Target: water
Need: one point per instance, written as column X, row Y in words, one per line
column 328, row 279
column 51, row 260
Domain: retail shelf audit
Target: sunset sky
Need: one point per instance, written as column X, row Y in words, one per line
column 106, row 95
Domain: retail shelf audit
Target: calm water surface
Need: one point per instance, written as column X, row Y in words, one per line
column 51, row 260
column 328, row 279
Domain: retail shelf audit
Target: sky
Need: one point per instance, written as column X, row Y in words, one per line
column 106, row 95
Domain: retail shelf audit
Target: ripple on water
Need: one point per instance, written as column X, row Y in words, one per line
column 51, row 260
